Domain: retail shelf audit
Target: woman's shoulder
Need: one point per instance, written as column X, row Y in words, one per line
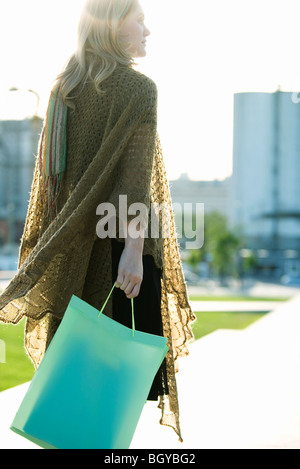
column 136, row 83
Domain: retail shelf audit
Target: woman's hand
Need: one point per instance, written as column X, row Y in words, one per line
column 130, row 270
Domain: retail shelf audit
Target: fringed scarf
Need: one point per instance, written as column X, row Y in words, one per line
column 53, row 149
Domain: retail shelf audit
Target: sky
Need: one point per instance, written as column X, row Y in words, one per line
column 199, row 54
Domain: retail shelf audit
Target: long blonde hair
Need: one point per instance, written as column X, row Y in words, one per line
column 98, row 38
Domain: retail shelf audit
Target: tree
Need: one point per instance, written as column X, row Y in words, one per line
column 195, row 256
column 225, row 254
column 220, row 247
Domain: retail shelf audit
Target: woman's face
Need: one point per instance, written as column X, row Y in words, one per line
column 133, row 33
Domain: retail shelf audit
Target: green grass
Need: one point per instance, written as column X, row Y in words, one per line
column 18, row 368
column 208, row 322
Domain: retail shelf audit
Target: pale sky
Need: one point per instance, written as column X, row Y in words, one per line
column 199, row 54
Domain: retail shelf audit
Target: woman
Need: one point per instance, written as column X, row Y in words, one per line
column 99, row 143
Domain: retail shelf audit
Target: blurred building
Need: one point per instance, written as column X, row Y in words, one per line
column 18, row 147
column 213, row 194
column 192, row 200
column 265, row 197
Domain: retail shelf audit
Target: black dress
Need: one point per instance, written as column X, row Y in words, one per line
column 147, row 309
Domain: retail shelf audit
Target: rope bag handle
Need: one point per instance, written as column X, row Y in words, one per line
column 132, row 309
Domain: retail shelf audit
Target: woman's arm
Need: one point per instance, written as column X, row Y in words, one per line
column 130, row 270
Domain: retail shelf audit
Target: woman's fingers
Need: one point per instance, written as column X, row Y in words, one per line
column 121, row 282
column 131, row 288
column 118, row 282
column 135, row 292
column 130, row 272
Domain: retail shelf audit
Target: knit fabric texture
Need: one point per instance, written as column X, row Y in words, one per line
column 113, row 149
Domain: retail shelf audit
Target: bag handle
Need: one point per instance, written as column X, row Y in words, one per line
column 132, row 310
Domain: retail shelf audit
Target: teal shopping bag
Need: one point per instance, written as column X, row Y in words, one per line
column 91, row 386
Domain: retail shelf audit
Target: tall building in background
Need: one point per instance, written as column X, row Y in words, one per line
column 265, row 198
column 18, row 147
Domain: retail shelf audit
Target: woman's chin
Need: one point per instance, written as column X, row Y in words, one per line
column 140, row 53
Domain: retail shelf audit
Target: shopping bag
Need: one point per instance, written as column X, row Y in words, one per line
column 91, row 386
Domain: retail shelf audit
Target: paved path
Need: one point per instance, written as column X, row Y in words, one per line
column 237, row 389
column 240, row 389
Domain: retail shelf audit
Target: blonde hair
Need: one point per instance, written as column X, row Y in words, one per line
column 98, row 38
